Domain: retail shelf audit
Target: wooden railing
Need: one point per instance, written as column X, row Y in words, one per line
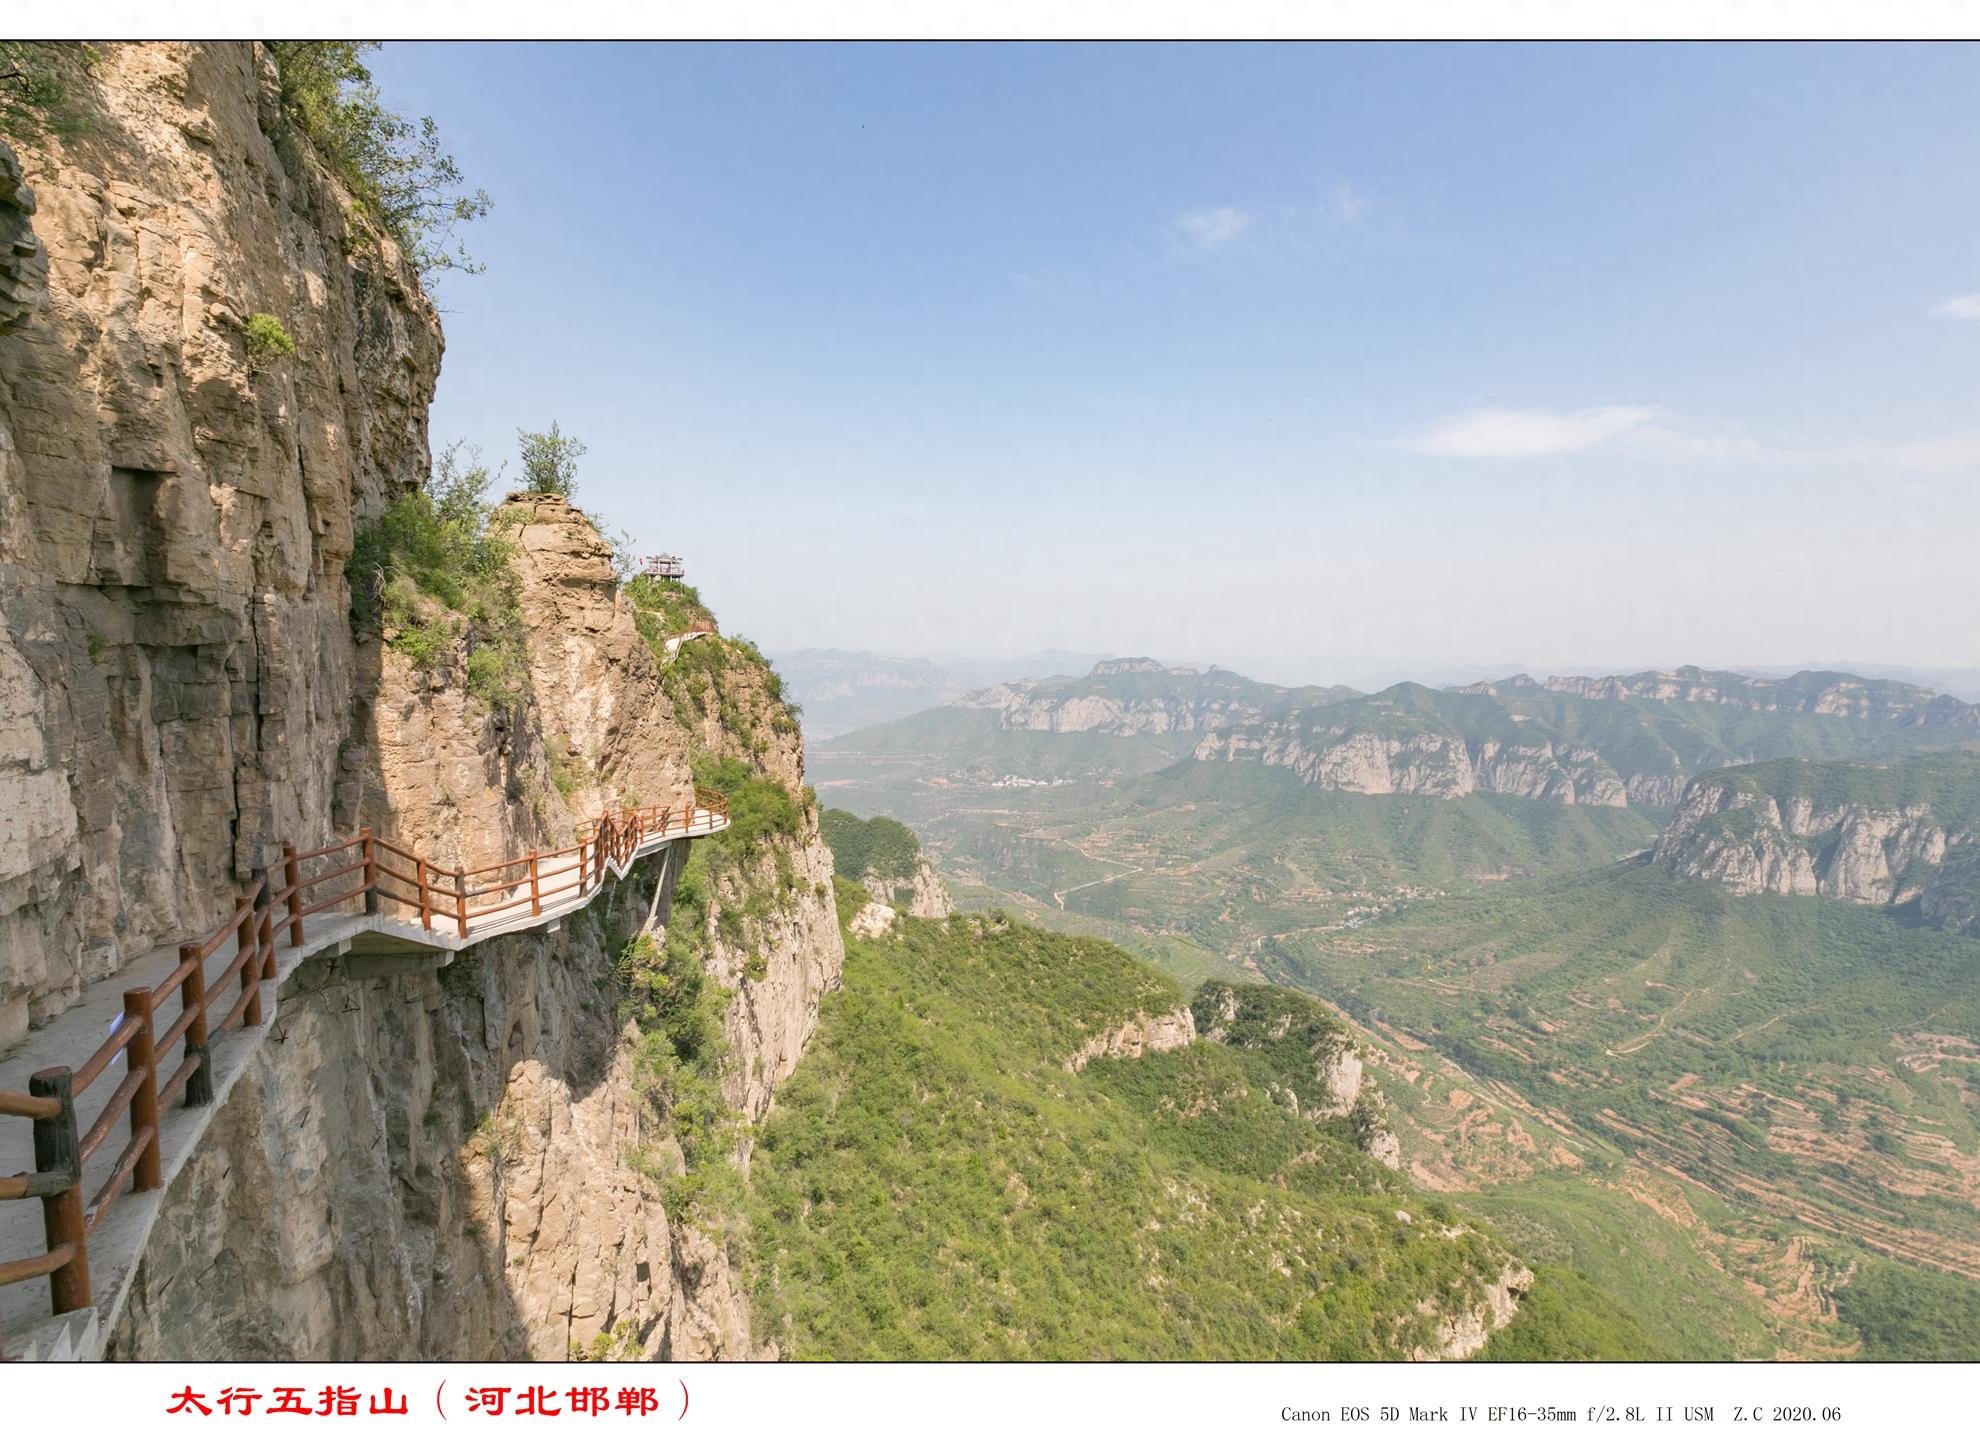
column 367, row 869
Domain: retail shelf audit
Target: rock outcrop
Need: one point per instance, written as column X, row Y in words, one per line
column 1612, row 741
column 1138, row 1035
column 873, row 920
column 1810, row 693
column 1422, row 763
column 918, row 894
column 1462, row 1333
column 1876, row 835
column 1319, row 1069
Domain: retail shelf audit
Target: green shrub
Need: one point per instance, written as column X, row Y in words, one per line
column 677, row 1061
column 549, row 460
column 267, row 339
column 1912, row 1314
column 394, row 167
column 761, row 810
column 664, row 608
column 431, row 572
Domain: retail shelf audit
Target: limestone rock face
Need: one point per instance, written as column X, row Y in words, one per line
column 921, row 894
column 1463, row 1333
column 460, row 1165
column 1812, row 693
column 873, row 920
column 23, row 261
column 1753, row 840
column 175, row 659
column 787, row 960
column 1139, row 1034
column 1519, row 737
column 1422, row 763
column 596, row 681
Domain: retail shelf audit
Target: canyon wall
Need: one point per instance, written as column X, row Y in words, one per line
column 176, row 666
column 1887, row 836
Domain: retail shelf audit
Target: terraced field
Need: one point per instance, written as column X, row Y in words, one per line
column 1793, row 1082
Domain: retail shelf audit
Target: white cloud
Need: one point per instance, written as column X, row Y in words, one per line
column 1497, row 432
column 1212, row 228
column 1959, row 307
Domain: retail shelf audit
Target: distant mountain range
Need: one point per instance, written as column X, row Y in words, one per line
column 843, row 691
column 1606, row 741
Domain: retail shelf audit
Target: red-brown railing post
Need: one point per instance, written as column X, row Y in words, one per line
column 140, row 1057
column 370, row 854
column 425, row 893
column 460, row 899
column 264, row 907
column 535, row 891
column 58, row 1148
column 584, row 868
column 292, row 879
column 192, row 998
column 247, row 956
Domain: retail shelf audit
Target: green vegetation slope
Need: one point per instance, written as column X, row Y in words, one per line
column 937, row 1183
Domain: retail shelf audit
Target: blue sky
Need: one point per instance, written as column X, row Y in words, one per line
column 1322, row 362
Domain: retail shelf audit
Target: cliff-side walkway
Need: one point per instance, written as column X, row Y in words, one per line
column 148, row 1054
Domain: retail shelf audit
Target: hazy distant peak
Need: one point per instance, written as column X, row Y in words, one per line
column 1129, row 666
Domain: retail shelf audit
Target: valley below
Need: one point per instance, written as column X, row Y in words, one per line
column 1748, row 1107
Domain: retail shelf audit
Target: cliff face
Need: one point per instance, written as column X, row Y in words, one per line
column 920, row 893
column 473, row 1162
column 1809, row 693
column 1878, row 836
column 174, row 520
column 1423, row 763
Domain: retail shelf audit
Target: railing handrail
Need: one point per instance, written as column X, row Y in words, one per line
column 441, row 898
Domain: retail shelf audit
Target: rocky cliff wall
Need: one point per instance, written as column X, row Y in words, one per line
column 1424, row 763
column 1882, row 851
column 473, row 1163
column 919, row 894
column 477, row 1164
column 176, row 668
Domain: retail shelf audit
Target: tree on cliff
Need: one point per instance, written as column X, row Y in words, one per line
column 549, row 460
column 394, row 167
column 36, row 93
